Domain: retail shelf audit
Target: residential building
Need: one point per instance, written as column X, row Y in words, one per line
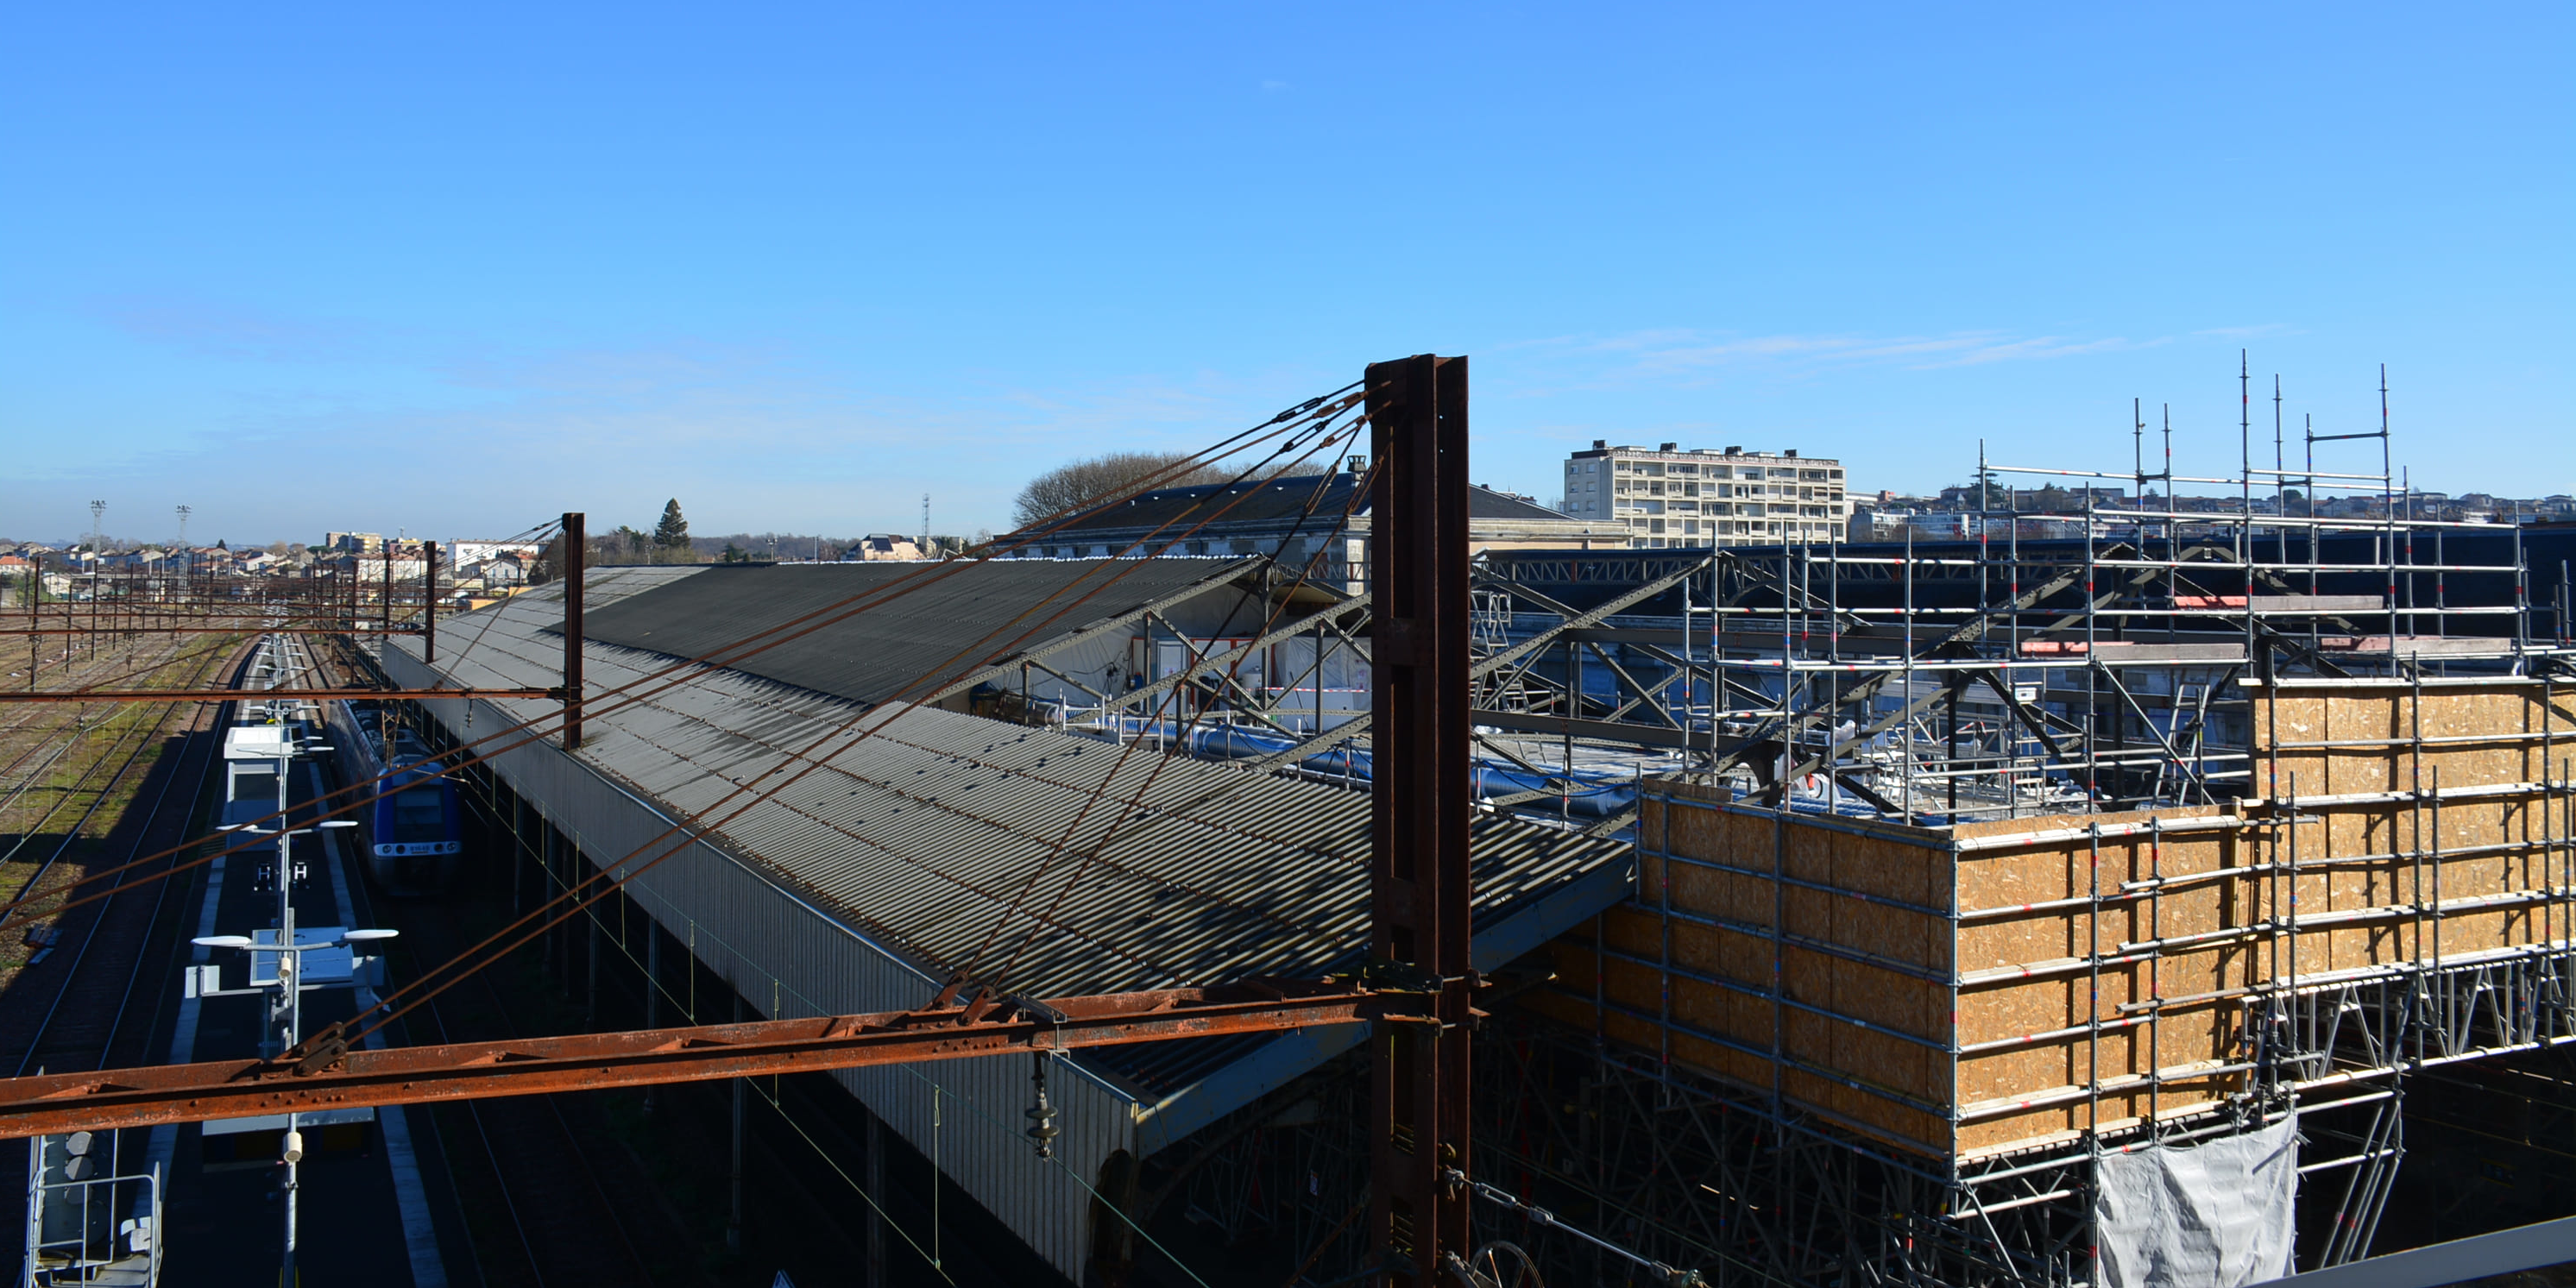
column 882, row 545
column 354, row 543
column 1707, row 497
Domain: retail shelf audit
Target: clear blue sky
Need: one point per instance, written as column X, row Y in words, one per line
column 455, row 268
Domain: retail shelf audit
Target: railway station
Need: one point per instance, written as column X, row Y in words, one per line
column 1362, row 905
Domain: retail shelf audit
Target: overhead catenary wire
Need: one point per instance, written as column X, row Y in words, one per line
column 804, row 755
column 1320, row 410
column 1130, row 805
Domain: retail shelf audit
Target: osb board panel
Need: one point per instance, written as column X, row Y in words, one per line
column 1993, row 1075
column 1809, row 1038
column 1732, row 895
column 2047, row 1120
column 2014, row 941
column 2064, row 868
column 2008, row 1131
column 2378, row 858
column 2184, row 1037
column 1706, row 832
column 2504, row 712
column 2195, row 1034
column 1897, row 1123
column 2009, row 1012
column 1883, row 870
column 2195, row 972
column 1633, row 929
column 1894, row 934
column 1703, row 1006
column 1912, row 870
column 1810, row 912
column 1885, row 1060
column 2059, row 822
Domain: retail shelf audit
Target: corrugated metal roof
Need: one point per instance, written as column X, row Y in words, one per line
column 926, row 831
column 1258, row 502
column 963, row 615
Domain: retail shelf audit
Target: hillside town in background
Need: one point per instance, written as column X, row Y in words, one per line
column 1618, row 496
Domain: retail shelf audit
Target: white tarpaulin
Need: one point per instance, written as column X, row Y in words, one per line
column 2213, row 1215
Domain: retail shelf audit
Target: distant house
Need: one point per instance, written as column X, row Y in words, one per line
column 502, row 568
column 882, row 545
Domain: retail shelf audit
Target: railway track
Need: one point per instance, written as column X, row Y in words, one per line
column 565, row 1226
column 37, row 736
column 568, row 1219
column 98, row 952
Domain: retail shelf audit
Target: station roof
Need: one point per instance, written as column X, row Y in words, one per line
column 1265, row 502
column 1128, row 870
column 876, row 628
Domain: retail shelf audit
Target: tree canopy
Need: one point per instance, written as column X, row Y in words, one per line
column 1079, row 482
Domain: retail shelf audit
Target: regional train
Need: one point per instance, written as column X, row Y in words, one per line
column 413, row 834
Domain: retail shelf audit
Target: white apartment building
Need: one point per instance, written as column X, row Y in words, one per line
column 1707, row 497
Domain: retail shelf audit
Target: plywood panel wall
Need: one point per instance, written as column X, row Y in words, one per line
column 1933, row 987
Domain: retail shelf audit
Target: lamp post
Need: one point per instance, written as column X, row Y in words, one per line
column 286, row 991
column 286, row 1010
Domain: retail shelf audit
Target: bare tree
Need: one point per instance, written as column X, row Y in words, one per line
column 1074, row 484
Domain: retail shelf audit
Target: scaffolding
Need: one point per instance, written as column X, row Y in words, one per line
column 2069, row 651
column 2137, row 824
column 2116, row 821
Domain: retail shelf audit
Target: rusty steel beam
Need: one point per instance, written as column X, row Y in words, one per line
column 573, row 632
column 252, row 695
column 344, row 1078
column 429, row 603
column 1418, row 858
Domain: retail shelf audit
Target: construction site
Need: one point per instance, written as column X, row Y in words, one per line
column 2187, row 900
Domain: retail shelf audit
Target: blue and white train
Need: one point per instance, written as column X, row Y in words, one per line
column 412, row 834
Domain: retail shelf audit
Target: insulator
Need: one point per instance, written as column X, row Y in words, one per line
column 1042, row 1129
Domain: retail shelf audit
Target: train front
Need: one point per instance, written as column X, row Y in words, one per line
column 417, row 841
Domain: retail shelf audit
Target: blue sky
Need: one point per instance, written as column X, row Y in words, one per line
column 455, row 268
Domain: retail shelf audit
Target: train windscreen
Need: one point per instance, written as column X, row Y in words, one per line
column 419, row 815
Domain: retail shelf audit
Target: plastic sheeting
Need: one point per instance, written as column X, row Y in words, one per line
column 2213, row 1215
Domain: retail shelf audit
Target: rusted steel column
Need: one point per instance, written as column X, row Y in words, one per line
column 572, row 544
column 1418, row 861
column 429, row 605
